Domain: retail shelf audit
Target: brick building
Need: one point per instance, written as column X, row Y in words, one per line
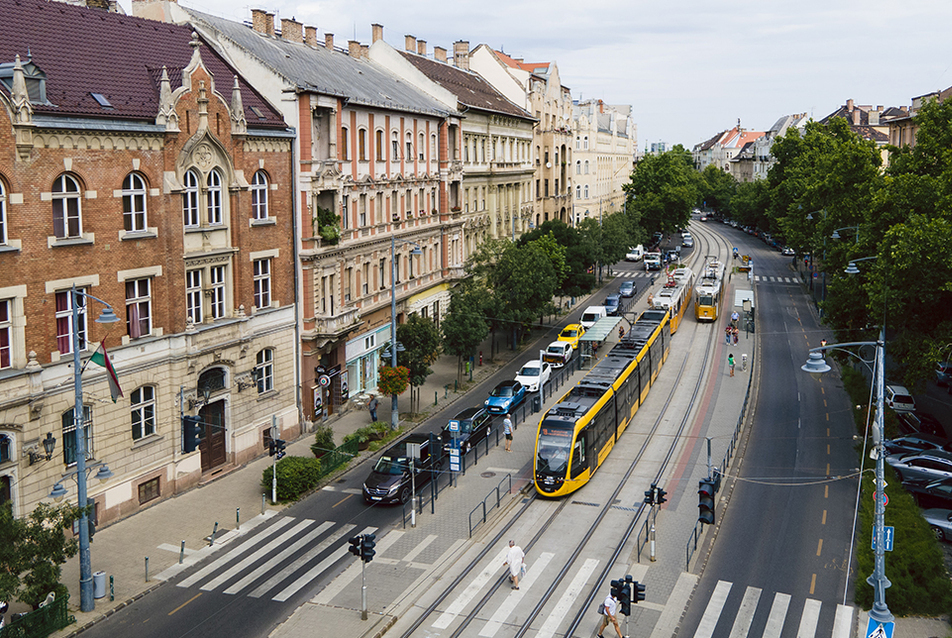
column 137, row 166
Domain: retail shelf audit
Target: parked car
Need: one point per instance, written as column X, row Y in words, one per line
column 591, row 315
column 930, row 493
column 571, row 334
column 505, row 396
column 390, row 478
column 558, row 353
column 943, row 373
column 925, row 465
column 533, row 373
column 627, row 288
column 635, row 253
column 612, row 305
column 788, row 251
column 940, row 520
column 475, row 424
column 915, row 443
column 899, row 399
column 920, row 423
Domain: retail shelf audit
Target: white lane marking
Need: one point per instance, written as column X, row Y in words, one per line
column 671, row 614
column 512, row 601
column 778, row 612
column 315, row 571
column 745, row 615
column 277, row 558
column 311, row 554
column 413, row 553
column 551, row 623
column 236, row 552
column 705, row 628
column 808, row 621
column 460, row 602
column 254, row 556
column 353, row 570
column 843, row 621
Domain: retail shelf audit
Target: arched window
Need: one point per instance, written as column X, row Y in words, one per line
column 433, row 149
column 378, row 144
column 213, row 198
column 586, row 191
column 259, row 195
column 4, row 448
column 585, row 143
column 578, row 142
column 421, row 147
column 211, row 381
column 362, row 144
column 409, row 155
column 143, row 412
column 264, row 370
column 394, row 147
column 67, row 208
column 578, row 167
column 578, row 192
column 134, row 203
column 586, row 167
column 190, row 200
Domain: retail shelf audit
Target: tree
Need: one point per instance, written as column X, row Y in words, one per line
column 716, row 189
column 421, row 341
column 750, row 203
column 522, row 283
column 663, row 190
column 464, row 326
column 575, row 280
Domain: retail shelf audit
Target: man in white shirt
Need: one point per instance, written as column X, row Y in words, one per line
column 611, row 609
column 514, row 559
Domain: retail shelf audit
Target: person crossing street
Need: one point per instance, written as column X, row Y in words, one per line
column 609, row 615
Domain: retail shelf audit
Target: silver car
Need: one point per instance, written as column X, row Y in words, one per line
column 940, row 520
column 929, row 465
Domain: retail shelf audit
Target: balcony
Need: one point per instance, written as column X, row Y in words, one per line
column 327, row 329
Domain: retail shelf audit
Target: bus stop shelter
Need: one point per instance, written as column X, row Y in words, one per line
column 744, row 306
column 594, row 337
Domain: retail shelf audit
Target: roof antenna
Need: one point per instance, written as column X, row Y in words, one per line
column 29, row 54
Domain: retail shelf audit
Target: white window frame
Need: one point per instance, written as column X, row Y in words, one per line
column 394, row 147
column 213, row 198
column 139, row 304
column 6, row 333
column 142, row 412
column 134, row 204
column 66, row 315
column 259, row 196
column 3, row 214
column 190, row 212
column 261, row 272
column 264, row 370
column 216, row 284
column 193, row 295
column 67, row 207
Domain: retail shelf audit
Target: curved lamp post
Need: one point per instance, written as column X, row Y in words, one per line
column 394, row 346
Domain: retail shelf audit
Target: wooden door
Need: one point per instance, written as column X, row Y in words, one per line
column 212, row 435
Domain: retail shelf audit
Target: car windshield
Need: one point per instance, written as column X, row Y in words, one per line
column 902, row 398
column 569, row 333
column 391, row 465
column 589, row 317
column 504, row 391
column 626, row 286
column 555, row 349
column 555, row 443
column 529, row 371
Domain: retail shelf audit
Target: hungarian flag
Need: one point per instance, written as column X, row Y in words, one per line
column 101, row 358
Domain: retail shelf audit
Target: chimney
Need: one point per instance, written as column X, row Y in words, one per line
column 461, row 54
column 329, row 41
column 259, row 20
column 421, row 47
column 377, row 31
column 856, row 114
column 439, row 54
column 365, row 51
column 269, row 24
column 874, row 116
column 310, row 36
column 353, row 49
column 409, row 43
column 291, row 30
column 849, row 105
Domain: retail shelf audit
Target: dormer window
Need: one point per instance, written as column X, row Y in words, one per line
column 35, row 80
column 101, row 100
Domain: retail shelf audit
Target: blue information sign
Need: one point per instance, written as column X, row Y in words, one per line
column 889, row 534
column 454, row 459
column 454, row 425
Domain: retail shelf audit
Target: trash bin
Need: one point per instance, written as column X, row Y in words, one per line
column 99, row 584
column 537, row 402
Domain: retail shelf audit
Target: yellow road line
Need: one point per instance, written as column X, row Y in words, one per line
column 826, row 491
column 819, row 547
column 823, row 522
column 185, row 603
column 341, row 501
column 813, row 584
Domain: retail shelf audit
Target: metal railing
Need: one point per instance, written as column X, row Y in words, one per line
column 41, row 622
column 337, row 457
column 482, row 505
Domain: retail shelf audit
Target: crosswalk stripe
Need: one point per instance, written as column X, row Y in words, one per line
column 259, row 553
column 555, row 618
column 311, row 554
column 745, row 615
column 460, row 602
column 277, row 558
column 312, row 573
column 236, row 552
column 843, row 621
column 351, row 571
column 713, row 611
column 778, row 612
column 809, row 619
column 512, row 601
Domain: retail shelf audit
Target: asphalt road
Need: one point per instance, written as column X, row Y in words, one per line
column 787, row 528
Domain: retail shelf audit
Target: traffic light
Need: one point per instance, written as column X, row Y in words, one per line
column 625, row 599
column 279, row 445
column 660, row 496
column 638, row 589
column 367, row 547
column 190, row 433
column 705, row 492
column 650, row 495
column 616, row 586
column 716, row 473
column 354, row 545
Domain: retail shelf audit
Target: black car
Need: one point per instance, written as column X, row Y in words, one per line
column 475, row 424
column 930, row 493
column 919, row 423
column 390, row 478
column 915, row 443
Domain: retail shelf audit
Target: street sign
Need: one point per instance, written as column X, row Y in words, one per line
column 889, row 534
column 454, row 425
column 454, row 459
column 876, row 629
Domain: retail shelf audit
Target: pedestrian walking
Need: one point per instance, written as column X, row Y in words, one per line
column 730, row 362
column 372, row 406
column 727, row 335
column 507, row 430
column 734, row 318
column 735, row 333
column 609, row 611
column 515, row 559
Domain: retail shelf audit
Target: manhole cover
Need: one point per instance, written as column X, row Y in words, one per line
column 488, row 474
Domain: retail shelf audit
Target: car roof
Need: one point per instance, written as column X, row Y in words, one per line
column 922, row 436
column 573, row 326
column 935, row 454
column 468, row 413
column 611, row 296
column 898, row 389
column 507, row 383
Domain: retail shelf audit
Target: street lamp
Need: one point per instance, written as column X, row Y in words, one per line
column 816, row 366
column 836, row 232
column 86, row 600
column 394, row 406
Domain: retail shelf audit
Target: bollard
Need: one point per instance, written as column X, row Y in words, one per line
column 743, row 361
column 436, row 397
column 181, row 556
column 262, row 504
column 112, row 589
column 214, row 531
column 446, row 390
column 456, row 385
column 237, row 518
column 146, row 569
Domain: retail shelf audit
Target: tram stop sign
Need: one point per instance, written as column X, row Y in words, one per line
column 876, row 629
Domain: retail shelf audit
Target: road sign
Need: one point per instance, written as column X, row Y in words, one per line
column 454, row 459
column 876, row 629
column 454, row 425
column 889, row 534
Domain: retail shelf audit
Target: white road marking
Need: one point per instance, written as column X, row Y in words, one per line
column 745, row 615
column 353, row 570
column 551, row 623
column 512, row 601
column 254, row 556
column 808, row 621
column 843, row 621
column 715, row 605
column 311, row 554
column 277, row 558
column 460, row 602
column 778, row 612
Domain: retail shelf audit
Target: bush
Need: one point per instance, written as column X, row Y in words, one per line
column 296, row 475
column 323, row 440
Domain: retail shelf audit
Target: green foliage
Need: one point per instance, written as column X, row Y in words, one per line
column 750, row 203
column 663, row 190
column 421, row 339
column 323, row 439
column 296, row 475
column 361, row 435
column 574, row 280
column 523, row 282
column 328, row 225
column 716, row 189
column 464, row 326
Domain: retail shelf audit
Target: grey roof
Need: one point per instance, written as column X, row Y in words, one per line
column 319, row 70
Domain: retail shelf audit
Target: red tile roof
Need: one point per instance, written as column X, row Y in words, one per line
column 84, row 51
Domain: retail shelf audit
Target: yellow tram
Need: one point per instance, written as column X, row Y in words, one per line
column 675, row 295
column 709, row 290
column 575, row 436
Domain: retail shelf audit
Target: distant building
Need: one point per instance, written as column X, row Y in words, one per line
column 721, row 149
column 754, row 160
column 605, row 143
column 902, row 130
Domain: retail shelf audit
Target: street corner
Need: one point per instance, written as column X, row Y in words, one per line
column 342, row 622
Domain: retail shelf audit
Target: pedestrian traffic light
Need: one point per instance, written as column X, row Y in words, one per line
column 638, row 591
column 625, row 599
column 660, row 496
column 705, row 492
column 354, row 545
column 279, row 445
column 367, row 547
column 190, row 433
column 650, row 495
column 616, row 586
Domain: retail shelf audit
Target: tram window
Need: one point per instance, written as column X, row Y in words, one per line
column 706, row 300
column 578, row 455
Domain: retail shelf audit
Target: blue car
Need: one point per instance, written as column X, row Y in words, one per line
column 505, row 396
column 611, row 304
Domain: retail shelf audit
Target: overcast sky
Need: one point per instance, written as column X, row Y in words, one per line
column 689, row 68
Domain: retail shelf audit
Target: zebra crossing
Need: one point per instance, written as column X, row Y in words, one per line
column 776, row 280
column 777, row 615
column 641, row 274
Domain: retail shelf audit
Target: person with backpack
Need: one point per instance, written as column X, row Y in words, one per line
column 609, row 612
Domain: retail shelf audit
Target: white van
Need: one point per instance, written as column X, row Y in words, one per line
column 592, row 314
column 636, row 253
